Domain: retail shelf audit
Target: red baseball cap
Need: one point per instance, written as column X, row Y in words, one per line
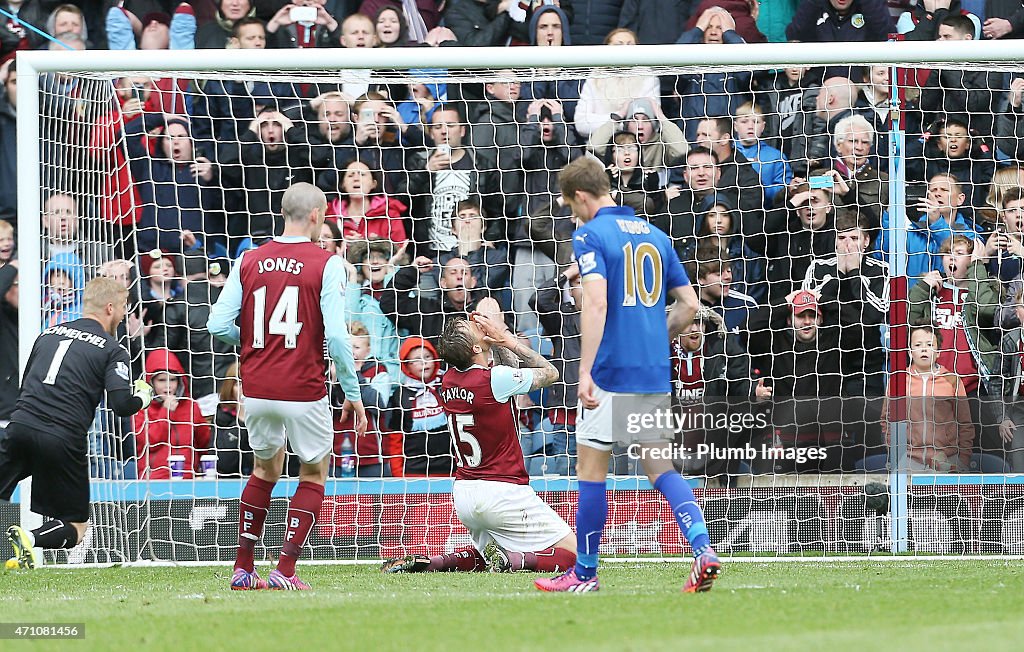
column 803, row 301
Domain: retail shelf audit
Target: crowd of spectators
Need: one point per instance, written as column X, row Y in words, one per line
column 443, row 198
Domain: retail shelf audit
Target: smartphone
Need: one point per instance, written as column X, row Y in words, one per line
column 444, row 149
column 821, row 182
column 302, row 14
column 367, row 115
column 137, row 92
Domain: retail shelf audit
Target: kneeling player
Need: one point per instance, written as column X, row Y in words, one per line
column 512, row 528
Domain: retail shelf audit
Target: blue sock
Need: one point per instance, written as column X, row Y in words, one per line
column 677, row 492
column 591, row 514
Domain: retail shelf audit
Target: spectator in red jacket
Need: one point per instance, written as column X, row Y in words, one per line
column 172, row 424
column 119, row 203
column 362, row 210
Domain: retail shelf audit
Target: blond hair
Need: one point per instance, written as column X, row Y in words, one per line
column 101, row 292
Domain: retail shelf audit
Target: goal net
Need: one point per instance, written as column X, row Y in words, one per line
column 821, row 206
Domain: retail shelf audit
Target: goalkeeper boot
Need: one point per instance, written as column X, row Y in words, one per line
column 567, row 582
column 705, row 570
column 497, row 559
column 243, row 580
column 277, row 580
column 407, row 564
column 22, row 542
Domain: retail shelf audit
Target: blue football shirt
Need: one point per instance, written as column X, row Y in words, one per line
column 641, row 267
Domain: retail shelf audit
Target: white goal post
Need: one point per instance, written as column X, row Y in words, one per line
column 543, row 62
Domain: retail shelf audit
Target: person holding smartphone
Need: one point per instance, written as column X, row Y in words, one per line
column 303, row 24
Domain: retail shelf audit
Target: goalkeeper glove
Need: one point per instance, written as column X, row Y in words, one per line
column 144, row 392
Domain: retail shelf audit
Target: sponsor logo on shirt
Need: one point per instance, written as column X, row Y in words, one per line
column 588, row 262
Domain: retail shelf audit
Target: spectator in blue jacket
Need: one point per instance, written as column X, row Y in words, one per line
column 939, row 218
column 824, row 21
column 712, row 94
column 177, row 189
column 770, row 164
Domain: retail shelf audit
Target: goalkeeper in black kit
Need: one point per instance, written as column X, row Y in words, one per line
column 70, row 367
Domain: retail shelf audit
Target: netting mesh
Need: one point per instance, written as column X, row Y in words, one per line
column 777, row 187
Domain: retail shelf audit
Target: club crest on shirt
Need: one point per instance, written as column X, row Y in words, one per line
column 857, row 21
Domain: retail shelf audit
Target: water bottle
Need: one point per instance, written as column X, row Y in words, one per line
column 348, row 458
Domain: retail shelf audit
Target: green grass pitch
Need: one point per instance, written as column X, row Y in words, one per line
column 817, row 606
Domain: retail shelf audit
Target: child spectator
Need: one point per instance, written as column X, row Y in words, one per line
column 631, row 184
column 1011, row 372
column 375, row 388
column 712, row 270
column 940, row 431
column 234, row 454
column 362, row 210
column 423, row 99
column 961, row 302
column 64, row 282
column 663, row 143
column 428, row 444
column 718, row 231
column 161, row 283
column 172, row 424
column 8, row 251
column 769, row 163
column 782, row 96
column 370, row 266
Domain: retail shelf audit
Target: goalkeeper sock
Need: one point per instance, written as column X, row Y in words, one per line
column 591, row 514
column 302, row 511
column 252, row 509
column 463, row 559
column 549, row 560
column 679, row 495
column 55, row 534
